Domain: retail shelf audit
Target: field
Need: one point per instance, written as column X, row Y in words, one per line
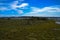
column 26, row 29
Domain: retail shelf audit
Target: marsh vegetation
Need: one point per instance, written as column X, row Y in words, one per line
column 29, row 29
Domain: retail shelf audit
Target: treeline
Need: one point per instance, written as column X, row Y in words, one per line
column 29, row 18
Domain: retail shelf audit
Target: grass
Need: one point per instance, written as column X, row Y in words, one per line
column 29, row 30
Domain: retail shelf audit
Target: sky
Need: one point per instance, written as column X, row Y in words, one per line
column 45, row 8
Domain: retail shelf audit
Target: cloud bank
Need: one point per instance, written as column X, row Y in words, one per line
column 46, row 11
column 14, row 5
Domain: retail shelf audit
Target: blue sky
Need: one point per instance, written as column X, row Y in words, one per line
column 46, row 8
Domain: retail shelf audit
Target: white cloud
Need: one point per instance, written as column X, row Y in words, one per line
column 46, row 11
column 23, row 5
column 20, row 11
column 51, row 9
column 14, row 5
column 3, row 8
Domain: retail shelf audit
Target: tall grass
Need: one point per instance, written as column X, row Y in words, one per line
column 28, row 29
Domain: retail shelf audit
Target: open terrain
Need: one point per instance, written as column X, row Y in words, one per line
column 29, row 29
